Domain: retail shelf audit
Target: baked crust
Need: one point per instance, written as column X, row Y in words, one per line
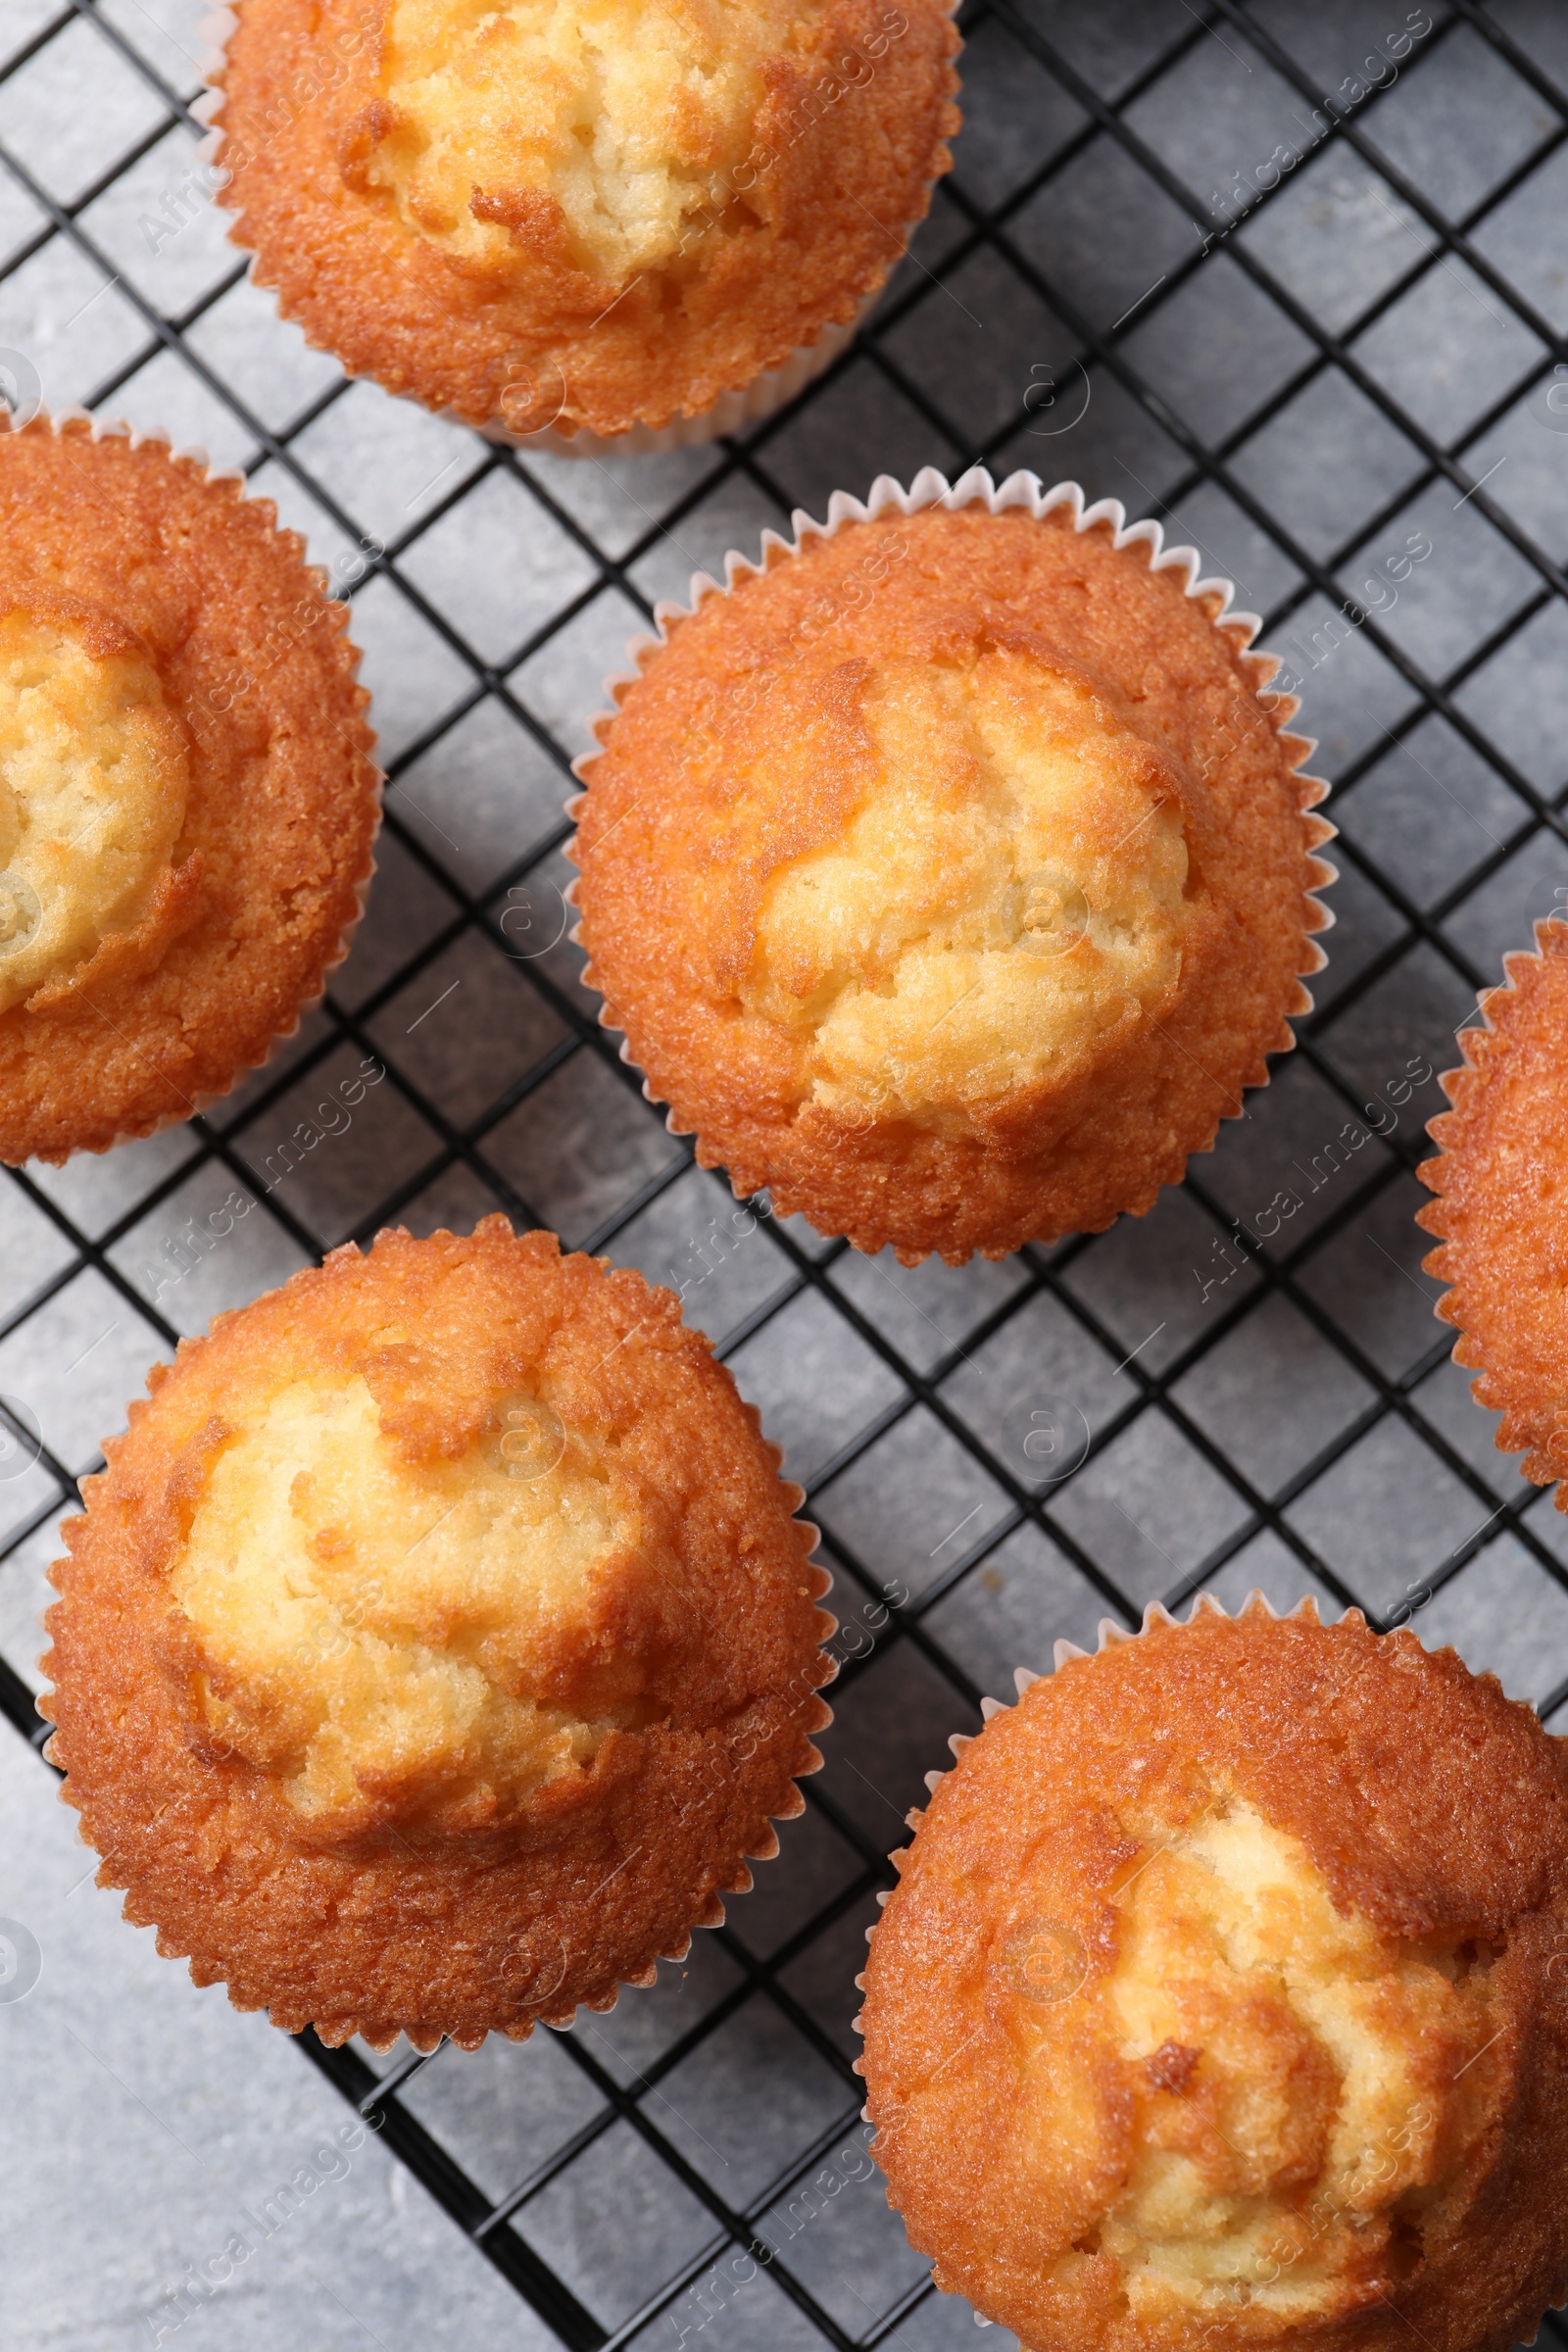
column 1435, row 1813
column 767, row 682
column 1501, row 1181
column 282, row 798
column 544, row 342
column 93, row 778
column 407, row 1925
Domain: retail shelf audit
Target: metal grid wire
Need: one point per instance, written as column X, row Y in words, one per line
column 1281, row 275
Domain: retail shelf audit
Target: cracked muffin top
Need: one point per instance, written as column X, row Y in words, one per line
column 451, row 1583
column 950, row 876
column 1218, row 1999
column 533, row 213
column 93, row 781
column 187, row 803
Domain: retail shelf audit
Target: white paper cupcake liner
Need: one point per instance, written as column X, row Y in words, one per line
column 749, row 404
column 1024, row 490
column 118, row 430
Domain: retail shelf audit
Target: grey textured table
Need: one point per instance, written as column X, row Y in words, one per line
column 1289, row 277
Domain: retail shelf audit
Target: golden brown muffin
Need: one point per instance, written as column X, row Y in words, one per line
column 187, row 803
column 1502, row 1180
column 1221, row 2000
column 951, row 877
column 437, row 1644
column 540, row 214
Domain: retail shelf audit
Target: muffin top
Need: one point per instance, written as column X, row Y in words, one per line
column 950, row 876
column 445, row 1581
column 1217, row 2001
column 1006, row 884
column 186, row 797
column 392, row 1632
column 93, row 781
column 1501, row 1178
column 537, row 213
column 599, row 137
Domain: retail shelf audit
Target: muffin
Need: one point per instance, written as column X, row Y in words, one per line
column 1221, row 2000
column 1501, row 1181
column 438, row 1642
column 187, row 802
column 592, row 217
column 951, row 874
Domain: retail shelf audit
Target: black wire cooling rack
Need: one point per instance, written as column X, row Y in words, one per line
column 1288, row 276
